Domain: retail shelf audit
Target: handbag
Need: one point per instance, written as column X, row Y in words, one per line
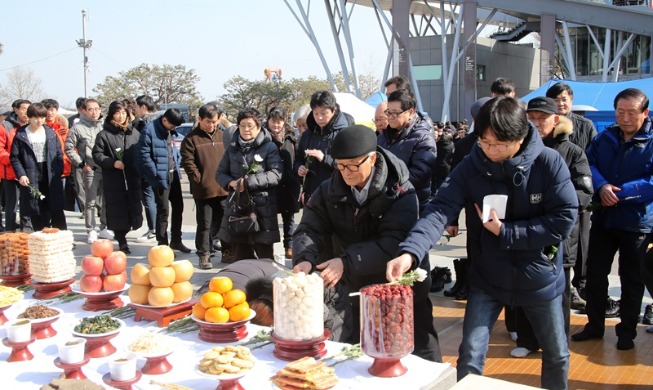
column 243, row 219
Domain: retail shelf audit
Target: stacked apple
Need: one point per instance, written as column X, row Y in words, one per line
column 104, row 270
column 163, row 281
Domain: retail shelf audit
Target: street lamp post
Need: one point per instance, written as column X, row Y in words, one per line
column 85, row 45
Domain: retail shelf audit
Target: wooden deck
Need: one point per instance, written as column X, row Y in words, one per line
column 595, row 364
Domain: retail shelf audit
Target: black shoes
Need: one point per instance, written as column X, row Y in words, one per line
column 125, row 249
column 576, row 302
column 227, row 257
column 439, row 277
column 585, row 335
column 648, row 315
column 459, row 289
column 624, row 344
column 612, row 308
column 179, row 246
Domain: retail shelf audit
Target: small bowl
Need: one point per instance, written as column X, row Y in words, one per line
column 19, row 330
column 123, row 368
column 71, row 354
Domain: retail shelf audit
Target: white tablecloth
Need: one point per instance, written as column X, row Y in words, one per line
column 41, row 370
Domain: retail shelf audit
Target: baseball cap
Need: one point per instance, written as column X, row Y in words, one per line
column 543, row 104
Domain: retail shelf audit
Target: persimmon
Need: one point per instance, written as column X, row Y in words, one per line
column 217, row 315
column 233, row 298
column 221, row 284
column 211, row 299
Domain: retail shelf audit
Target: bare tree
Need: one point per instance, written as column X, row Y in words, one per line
column 21, row 83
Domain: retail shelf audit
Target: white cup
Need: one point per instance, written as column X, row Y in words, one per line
column 122, row 369
column 72, row 351
column 19, row 331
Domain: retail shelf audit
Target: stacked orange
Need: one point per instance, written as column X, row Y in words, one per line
column 222, row 303
column 163, row 281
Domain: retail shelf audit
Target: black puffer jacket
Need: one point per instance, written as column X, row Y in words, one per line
column 289, row 187
column 262, row 185
column 318, row 138
column 584, row 131
column 124, row 208
column 581, row 177
column 364, row 237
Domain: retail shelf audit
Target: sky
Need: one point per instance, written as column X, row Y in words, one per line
column 218, row 38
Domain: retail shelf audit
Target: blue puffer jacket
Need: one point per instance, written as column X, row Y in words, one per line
column 629, row 166
column 153, row 154
column 415, row 146
column 541, row 210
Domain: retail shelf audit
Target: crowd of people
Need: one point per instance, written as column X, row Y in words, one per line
column 374, row 202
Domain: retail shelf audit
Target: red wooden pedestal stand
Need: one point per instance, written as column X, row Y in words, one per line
column 162, row 315
column 293, row 350
column 50, row 290
column 387, row 368
column 19, row 350
column 156, row 365
column 3, row 318
column 15, row 280
column 122, row 385
column 73, row 370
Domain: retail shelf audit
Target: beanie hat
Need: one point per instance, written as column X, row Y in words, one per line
column 353, row 141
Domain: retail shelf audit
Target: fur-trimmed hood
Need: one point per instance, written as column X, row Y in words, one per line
column 565, row 126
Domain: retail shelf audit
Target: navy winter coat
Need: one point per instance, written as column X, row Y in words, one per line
column 124, row 207
column 541, row 210
column 629, row 166
column 23, row 160
column 153, row 154
column 262, row 185
column 415, row 146
column 318, row 138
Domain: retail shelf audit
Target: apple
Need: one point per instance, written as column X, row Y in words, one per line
column 92, row 265
column 115, row 263
column 115, row 282
column 102, row 248
column 91, row 283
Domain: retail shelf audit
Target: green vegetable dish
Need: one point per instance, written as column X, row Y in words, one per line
column 97, row 325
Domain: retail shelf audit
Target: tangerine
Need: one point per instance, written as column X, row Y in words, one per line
column 233, row 298
column 239, row 312
column 217, row 315
column 221, row 284
column 198, row 311
column 211, row 299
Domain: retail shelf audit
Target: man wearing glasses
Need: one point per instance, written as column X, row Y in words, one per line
column 353, row 223
column 409, row 137
column 515, row 257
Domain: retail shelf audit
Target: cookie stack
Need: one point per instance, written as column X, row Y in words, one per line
column 306, row 373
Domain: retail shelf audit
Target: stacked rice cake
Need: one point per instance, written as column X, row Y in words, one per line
column 51, row 255
column 306, row 373
column 14, row 254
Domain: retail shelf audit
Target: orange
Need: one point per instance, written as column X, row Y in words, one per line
column 239, row 312
column 211, row 299
column 221, row 284
column 233, row 297
column 198, row 311
column 217, row 314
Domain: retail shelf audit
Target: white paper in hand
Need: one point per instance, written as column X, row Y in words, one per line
column 496, row 202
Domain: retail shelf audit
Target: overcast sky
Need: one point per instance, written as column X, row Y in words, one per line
column 218, row 38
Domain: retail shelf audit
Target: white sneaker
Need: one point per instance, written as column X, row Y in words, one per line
column 513, row 335
column 106, row 233
column 649, row 329
column 520, row 352
column 92, row 237
column 149, row 236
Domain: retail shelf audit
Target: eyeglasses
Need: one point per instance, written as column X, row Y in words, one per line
column 352, row 167
column 246, row 127
column 498, row 147
column 394, row 114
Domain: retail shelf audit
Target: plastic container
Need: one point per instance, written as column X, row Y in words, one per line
column 72, row 351
column 298, row 307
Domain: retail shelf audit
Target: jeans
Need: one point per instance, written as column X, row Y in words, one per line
column 480, row 315
column 208, row 214
column 167, row 199
column 288, row 218
column 148, row 204
column 11, row 204
column 604, row 243
column 94, row 200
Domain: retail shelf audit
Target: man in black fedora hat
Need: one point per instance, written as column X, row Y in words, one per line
column 353, row 223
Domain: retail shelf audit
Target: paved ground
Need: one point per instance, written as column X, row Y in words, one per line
column 442, row 255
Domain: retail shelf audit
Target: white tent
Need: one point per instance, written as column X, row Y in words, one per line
column 362, row 112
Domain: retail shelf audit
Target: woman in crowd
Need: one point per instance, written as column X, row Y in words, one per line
column 288, row 202
column 37, row 159
column 115, row 152
column 300, row 119
column 251, row 164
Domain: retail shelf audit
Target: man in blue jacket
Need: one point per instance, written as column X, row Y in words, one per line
column 516, row 261
column 160, row 162
column 621, row 160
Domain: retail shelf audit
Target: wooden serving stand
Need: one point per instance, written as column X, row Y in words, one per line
column 73, row 370
column 293, row 350
column 163, row 315
column 50, row 290
column 15, row 280
column 3, row 318
column 122, row 385
column 19, row 350
column 106, row 302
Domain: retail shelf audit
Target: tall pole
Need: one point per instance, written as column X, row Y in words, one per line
column 85, row 45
